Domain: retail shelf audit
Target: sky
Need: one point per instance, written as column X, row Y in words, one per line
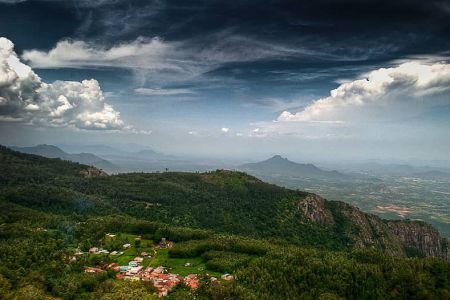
column 243, row 79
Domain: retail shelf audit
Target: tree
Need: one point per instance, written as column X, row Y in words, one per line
column 29, row 292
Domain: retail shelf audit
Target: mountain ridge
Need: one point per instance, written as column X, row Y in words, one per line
column 51, row 151
column 237, row 203
column 283, row 166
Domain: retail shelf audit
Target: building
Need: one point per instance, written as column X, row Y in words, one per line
column 227, row 277
column 165, row 243
column 133, row 264
column 159, row 269
column 110, row 236
column 126, row 246
column 92, row 270
column 138, row 259
column 134, row 271
column 191, row 281
column 93, row 250
column 162, row 281
column 124, row 269
column 114, row 266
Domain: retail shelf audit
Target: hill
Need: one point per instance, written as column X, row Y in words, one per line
column 225, row 201
column 53, row 211
column 51, row 151
column 279, row 166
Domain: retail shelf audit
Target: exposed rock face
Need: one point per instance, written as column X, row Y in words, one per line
column 370, row 231
column 419, row 235
column 93, row 172
column 313, row 207
column 367, row 230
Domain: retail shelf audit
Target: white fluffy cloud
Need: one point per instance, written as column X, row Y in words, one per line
column 25, row 98
column 387, row 93
column 371, row 106
column 225, row 129
column 138, row 54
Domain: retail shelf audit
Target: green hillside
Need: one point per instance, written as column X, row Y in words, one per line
column 224, row 201
column 278, row 243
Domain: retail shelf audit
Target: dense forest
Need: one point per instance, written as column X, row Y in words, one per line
column 230, row 221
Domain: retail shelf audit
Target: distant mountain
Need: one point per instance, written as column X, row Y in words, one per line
column 390, row 169
column 277, row 165
column 149, row 154
column 135, row 160
column 51, row 151
column 101, row 150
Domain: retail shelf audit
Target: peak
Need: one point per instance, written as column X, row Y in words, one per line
column 278, row 157
column 45, row 146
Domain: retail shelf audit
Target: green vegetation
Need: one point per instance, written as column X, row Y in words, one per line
column 220, row 222
column 223, row 201
column 178, row 265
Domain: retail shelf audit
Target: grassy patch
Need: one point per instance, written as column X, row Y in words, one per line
column 177, row 265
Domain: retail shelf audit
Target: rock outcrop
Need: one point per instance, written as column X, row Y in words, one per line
column 397, row 238
column 93, row 172
column 420, row 236
column 313, row 207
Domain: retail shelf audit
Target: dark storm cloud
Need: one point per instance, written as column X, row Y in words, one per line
column 308, row 44
column 344, row 33
column 349, row 29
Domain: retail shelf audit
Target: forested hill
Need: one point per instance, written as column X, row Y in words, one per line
column 50, row 210
column 224, row 201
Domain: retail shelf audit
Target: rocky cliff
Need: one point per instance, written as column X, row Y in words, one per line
column 399, row 238
column 93, row 172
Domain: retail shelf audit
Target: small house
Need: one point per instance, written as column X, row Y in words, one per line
column 159, row 269
column 134, row 270
column 164, row 243
column 92, row 270
column 124, row 269
column 138, row 259
column 133, row 264
column 227, row 277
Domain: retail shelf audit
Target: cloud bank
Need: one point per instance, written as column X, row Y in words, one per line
column 25, row 98
column 383, row 98
column 141, row 53
column 399, row 92
column 191, row 57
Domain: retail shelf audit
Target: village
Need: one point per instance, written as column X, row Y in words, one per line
column 142, row 266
